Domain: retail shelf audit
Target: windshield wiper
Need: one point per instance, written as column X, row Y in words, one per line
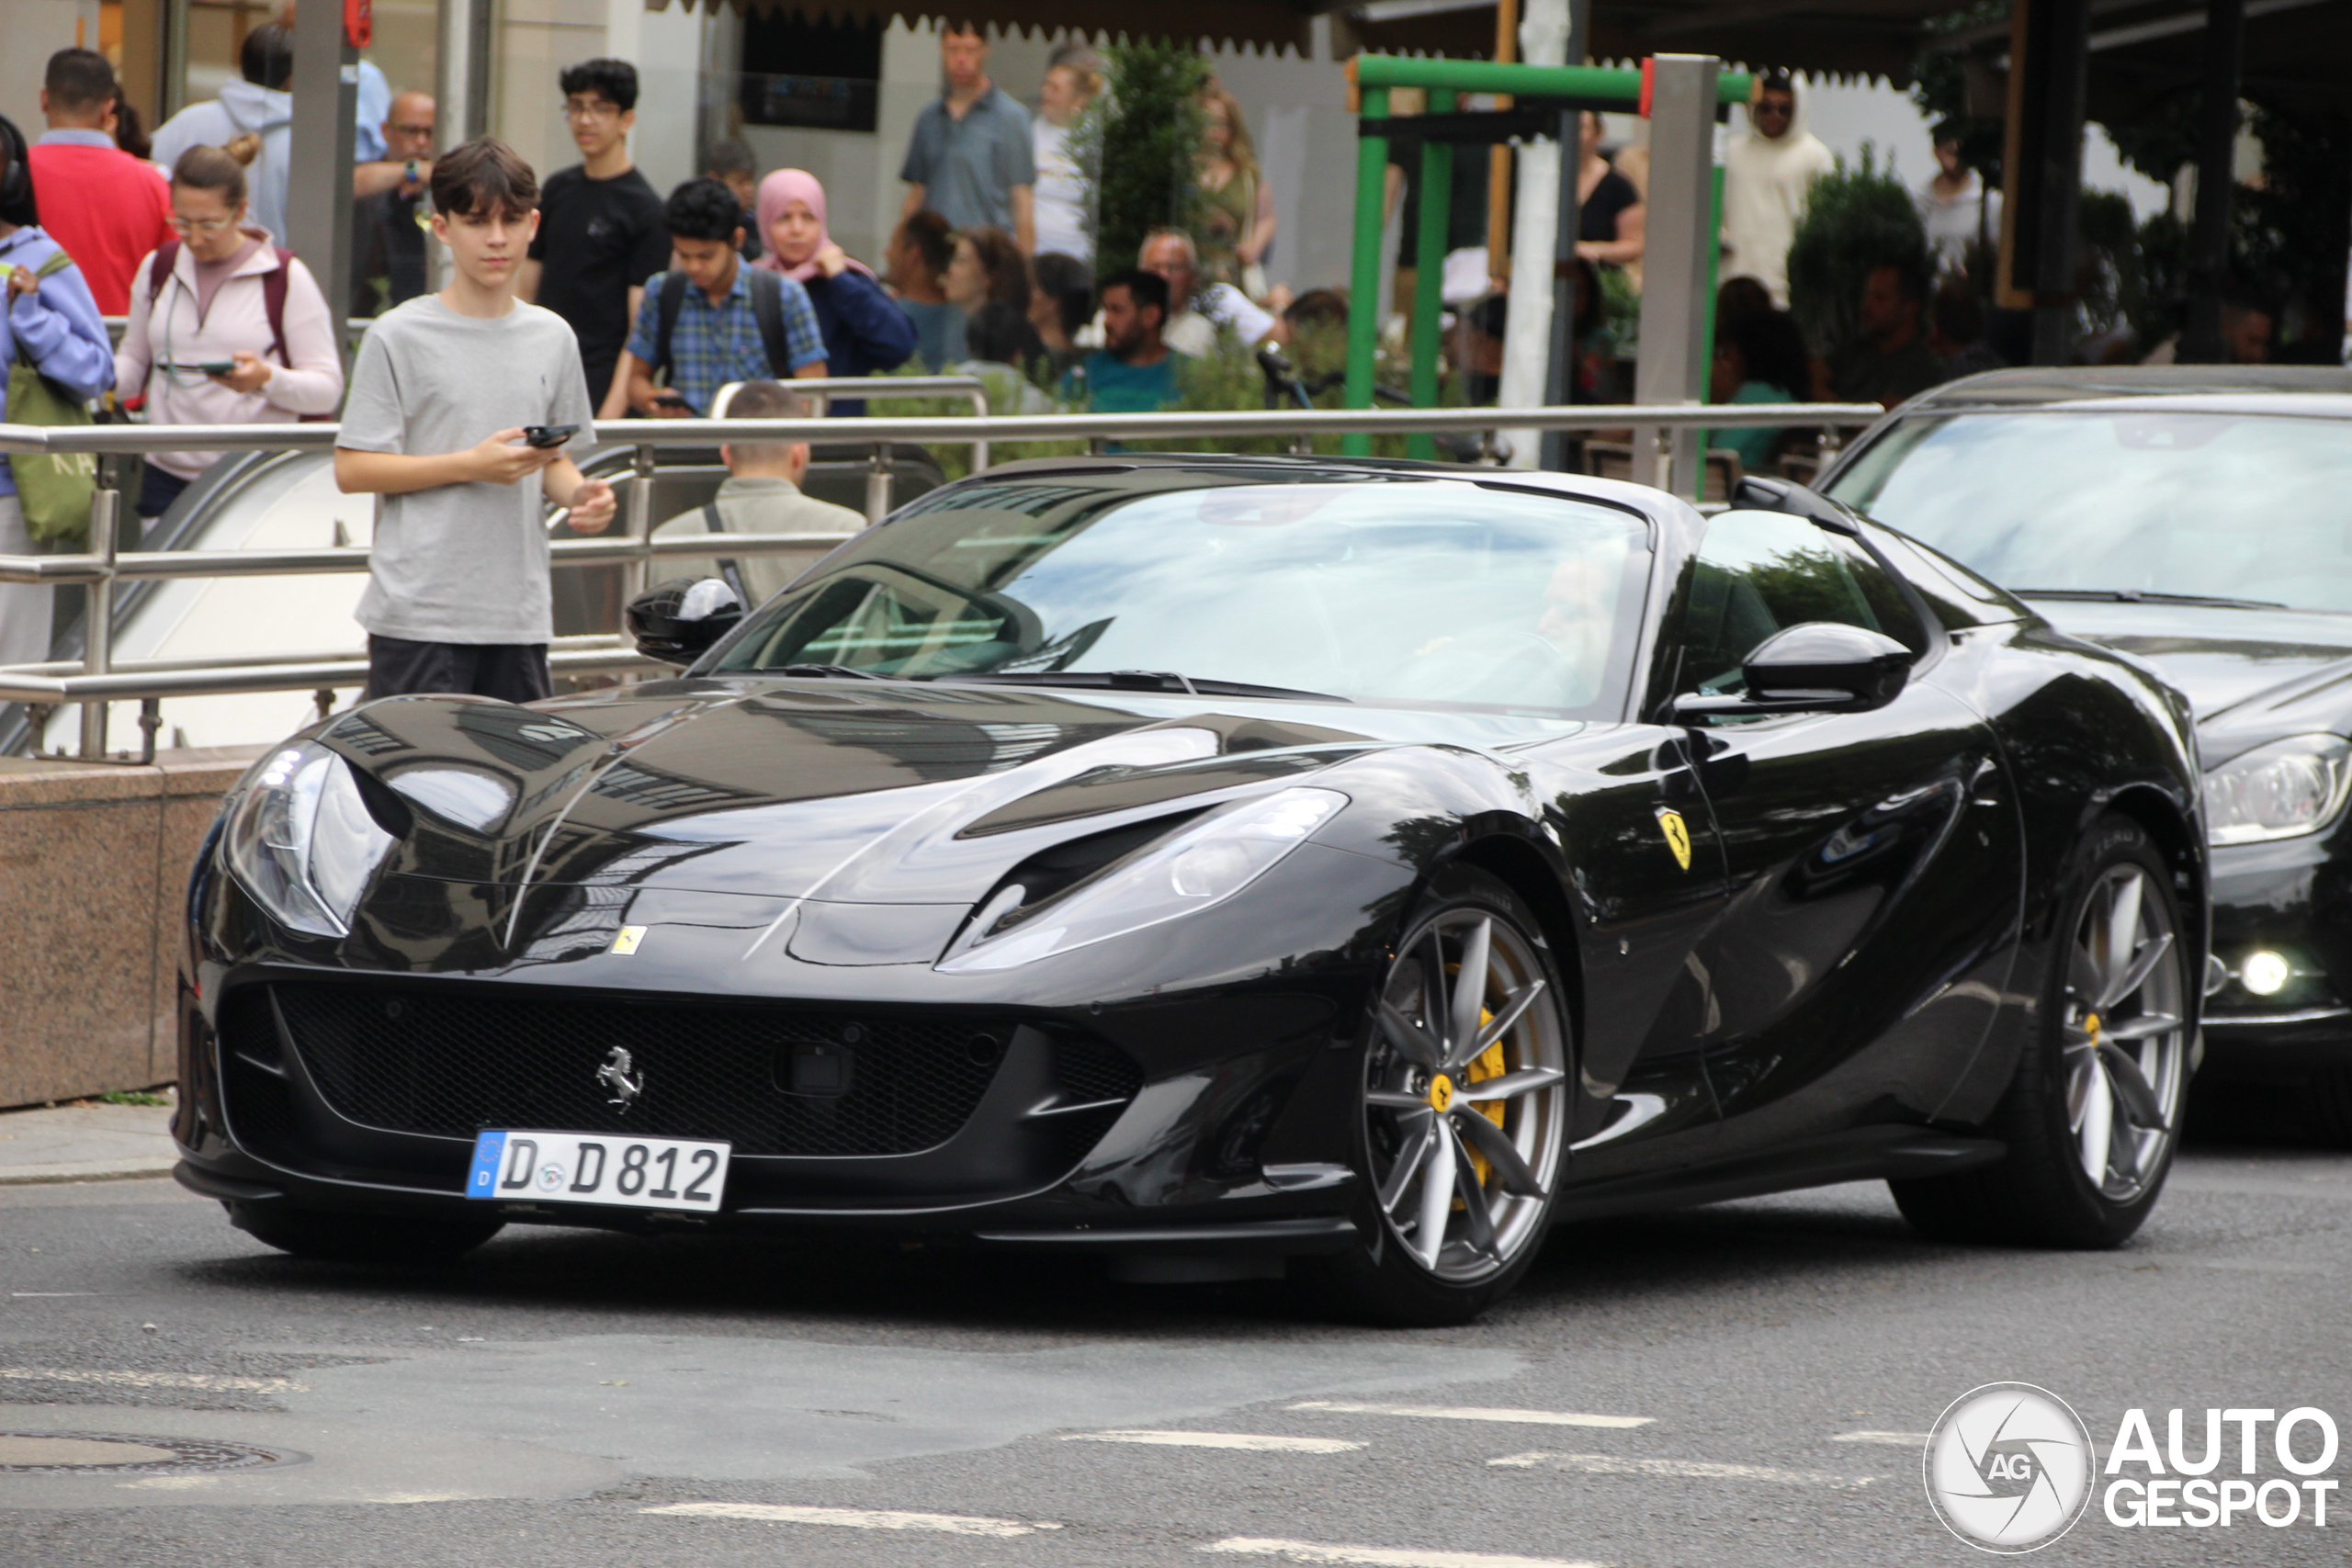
column 2142, row 595
column 1140, row 681
column 829, row 671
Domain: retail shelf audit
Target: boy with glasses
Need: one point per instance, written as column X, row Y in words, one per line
column 600, row 233
column 440, row 423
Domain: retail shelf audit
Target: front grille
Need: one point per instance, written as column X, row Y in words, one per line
column 448, row 1064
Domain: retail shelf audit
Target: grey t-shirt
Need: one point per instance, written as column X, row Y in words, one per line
column 465, row 562
column 968, row 167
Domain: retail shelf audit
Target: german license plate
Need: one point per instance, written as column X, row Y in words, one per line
column 594, row 1167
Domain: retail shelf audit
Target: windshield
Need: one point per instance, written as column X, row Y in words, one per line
column 1425, row 591
column 2197, row 504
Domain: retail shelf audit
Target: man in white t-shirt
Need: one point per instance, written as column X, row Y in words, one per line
column 1197, row 314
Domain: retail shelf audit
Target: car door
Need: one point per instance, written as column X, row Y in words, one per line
column 1633, row 826
column 1874, row 862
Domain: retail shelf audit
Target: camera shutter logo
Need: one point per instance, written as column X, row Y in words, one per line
column 2008, row 1468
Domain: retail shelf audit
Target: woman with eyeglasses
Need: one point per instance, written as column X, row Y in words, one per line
column 225, row 327
column 48, row 321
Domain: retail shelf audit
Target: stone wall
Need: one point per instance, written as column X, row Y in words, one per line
column 93, row 863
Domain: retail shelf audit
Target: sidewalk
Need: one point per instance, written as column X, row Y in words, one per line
column 86, row 1141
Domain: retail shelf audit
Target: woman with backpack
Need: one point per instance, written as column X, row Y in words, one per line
column 53, row 353
column 225, row 328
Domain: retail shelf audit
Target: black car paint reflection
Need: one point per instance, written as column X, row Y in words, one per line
column 1835, row 960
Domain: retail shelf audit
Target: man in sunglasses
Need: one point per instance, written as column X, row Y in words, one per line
column 1768, row 171
column 388, row 225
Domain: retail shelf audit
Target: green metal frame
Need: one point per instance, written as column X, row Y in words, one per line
column 1444, row 80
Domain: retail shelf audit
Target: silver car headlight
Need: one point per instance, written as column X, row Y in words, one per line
column 2281, row 791
column 1197, row 869
column 300, row 841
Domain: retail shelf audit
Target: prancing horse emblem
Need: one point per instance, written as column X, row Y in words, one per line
column 615, row 1076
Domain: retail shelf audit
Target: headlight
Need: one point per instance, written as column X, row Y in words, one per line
column 1207, row 863
column 301, row 842
column 2279, row 791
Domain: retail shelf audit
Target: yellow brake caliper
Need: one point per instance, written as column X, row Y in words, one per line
column 1487, row 1064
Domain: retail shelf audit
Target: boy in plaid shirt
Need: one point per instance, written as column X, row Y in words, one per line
column 713, row 320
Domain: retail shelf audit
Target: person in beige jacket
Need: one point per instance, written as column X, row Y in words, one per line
column 200, row 344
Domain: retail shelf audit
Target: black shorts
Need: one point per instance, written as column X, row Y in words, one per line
column 511, row 671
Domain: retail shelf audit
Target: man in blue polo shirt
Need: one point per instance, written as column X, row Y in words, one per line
column 970, row 160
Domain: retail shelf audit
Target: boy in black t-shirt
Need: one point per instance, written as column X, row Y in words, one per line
column 600, row 227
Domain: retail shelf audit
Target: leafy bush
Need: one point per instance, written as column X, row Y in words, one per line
column 1856, row 219
column 1150, row 137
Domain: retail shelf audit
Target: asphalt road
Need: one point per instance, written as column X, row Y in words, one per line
column 560, row 1398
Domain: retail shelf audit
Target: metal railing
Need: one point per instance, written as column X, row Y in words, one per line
column 98, row 680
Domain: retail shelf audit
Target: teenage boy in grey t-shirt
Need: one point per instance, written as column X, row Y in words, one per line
column 457, row 597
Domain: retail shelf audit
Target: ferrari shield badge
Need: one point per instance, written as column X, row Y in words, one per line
column 625, row 943
column 1677, row 835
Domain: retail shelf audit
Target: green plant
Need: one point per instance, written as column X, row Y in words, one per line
column 1855, row 220
column 133, row 1097
column 1150, row 140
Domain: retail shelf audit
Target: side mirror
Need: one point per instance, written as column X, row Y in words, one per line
column 1818, row 667
column 679, row 621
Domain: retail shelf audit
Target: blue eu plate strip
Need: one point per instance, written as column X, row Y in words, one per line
column 489, row 1148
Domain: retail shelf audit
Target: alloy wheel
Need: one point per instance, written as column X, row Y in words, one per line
column 1464, row 1095
column 2124, row 1037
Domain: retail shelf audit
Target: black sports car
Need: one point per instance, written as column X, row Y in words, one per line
column 1231, row 866
column 2197, row 519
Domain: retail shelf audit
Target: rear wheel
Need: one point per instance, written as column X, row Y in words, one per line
column 2093, row 1114
column 392, row 1239
column 1465, row 1112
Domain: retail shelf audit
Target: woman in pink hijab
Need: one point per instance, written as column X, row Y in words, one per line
column 864, row 330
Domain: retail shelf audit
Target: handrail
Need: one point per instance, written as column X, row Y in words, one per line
column 98, row 682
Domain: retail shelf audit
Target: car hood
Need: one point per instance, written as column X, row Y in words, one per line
column 2250, row 674
column 832, row 790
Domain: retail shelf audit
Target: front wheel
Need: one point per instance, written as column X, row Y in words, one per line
column 2094, row 1111
column 1465, row 1110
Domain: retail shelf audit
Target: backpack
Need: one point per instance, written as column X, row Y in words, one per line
column 767, row 310
column 273, row 292
column 53, row 488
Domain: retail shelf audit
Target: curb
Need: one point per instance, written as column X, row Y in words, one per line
column 111, row 1170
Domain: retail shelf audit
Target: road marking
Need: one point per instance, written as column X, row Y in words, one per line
column 1892, row 1439
column 221, row 1381
column 1617, row 1464
column 1475, row 1412
column 1383, row 1556
column 856, row 1518
column 1252, row 1440
column 49, row 1295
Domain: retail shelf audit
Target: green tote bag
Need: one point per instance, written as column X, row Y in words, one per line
column 54, row 488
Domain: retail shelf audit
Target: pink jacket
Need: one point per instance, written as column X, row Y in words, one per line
column 239, row 319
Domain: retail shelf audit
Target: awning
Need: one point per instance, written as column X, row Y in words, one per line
column 1266, row 24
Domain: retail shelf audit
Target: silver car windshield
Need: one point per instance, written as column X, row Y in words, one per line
column 1424, row 591
column 2202, row 505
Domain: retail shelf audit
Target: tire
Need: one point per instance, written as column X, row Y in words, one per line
column 2105, row 1079
column 2328, row 1104
column 392, row 1240
column 1489, row 1186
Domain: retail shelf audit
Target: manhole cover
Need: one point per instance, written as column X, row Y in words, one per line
column 111, row 1453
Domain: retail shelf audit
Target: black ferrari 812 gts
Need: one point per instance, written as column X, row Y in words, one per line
column 1232, row 867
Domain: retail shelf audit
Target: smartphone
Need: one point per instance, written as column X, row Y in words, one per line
column 670, row 401
column 544, row 435
column 206, row 366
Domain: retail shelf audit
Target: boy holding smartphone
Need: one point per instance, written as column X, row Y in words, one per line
column 458, row 596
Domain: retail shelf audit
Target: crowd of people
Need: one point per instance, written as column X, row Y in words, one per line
column 591, row 295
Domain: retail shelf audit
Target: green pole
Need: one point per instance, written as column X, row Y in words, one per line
column 1363, row 276
column 1621, row 86
column 1428, row 270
